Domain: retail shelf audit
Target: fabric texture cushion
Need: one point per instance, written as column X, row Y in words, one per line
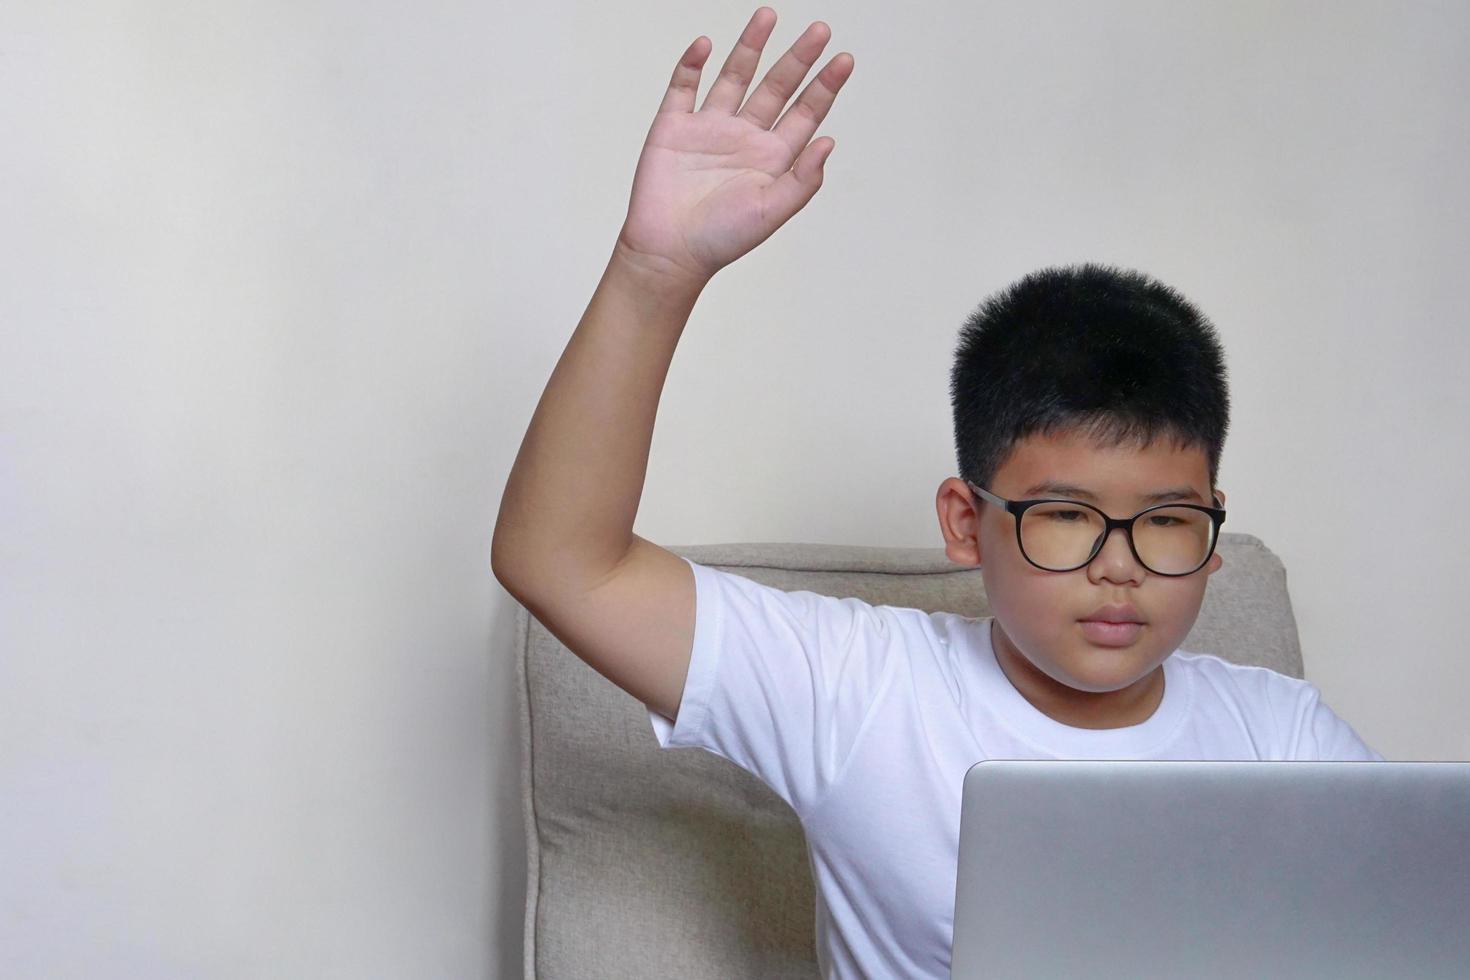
column 676, row 863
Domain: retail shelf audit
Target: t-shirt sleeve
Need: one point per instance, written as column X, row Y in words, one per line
column 780, row 683
column 1321, row 735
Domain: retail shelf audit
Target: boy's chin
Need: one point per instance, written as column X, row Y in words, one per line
column 1106, row 670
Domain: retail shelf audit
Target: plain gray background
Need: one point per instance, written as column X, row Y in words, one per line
column 282, row 284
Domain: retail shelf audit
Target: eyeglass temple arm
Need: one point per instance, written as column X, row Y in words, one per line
column 987, row 495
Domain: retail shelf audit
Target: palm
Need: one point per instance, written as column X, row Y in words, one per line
column 712, row 184
column 701, row 186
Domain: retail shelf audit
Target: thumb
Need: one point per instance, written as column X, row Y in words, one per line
column 794, row 188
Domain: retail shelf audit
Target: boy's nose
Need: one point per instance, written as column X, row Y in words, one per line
column 1115, row 562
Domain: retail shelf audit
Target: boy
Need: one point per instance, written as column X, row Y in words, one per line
column 1090, row 410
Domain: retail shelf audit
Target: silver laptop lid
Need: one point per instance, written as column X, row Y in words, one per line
column 1213, row 869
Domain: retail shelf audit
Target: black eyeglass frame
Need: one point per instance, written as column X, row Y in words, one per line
column 1018, row 507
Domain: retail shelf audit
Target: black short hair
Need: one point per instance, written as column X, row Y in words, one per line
column 1111, row 352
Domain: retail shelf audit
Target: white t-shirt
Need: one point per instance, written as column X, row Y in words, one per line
column 866, row 718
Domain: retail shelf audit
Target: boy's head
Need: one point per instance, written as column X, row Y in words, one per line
column 1106, row 387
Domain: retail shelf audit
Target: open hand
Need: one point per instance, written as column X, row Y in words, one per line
column 713, row 184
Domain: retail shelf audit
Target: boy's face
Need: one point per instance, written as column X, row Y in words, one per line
column 1068, row 671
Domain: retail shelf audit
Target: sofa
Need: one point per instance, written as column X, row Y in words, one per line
column 651, row 863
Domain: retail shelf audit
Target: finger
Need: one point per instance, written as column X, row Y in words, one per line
column 796, row 186
column 684, row 86
column 766, row 102
column 807, row 112
column 729, row 88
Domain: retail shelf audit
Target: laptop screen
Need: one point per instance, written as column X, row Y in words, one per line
column 1213, row 869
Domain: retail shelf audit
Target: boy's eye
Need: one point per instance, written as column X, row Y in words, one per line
column 1067, row 516
column 1163, row 520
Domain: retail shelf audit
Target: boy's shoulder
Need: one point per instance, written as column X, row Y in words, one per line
column 1290, row 709
column 1250, row 682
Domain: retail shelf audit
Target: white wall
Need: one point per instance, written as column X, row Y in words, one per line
column 280, row 285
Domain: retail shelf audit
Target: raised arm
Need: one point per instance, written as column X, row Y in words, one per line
column 710, row 185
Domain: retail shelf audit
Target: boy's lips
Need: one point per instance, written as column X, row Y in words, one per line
column 1113, row 614
column 1112, row 626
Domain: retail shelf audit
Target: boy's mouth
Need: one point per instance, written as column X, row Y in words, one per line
column 1112, row 626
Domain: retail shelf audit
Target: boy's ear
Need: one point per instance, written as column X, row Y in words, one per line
column 1213, row 565
column 959, row 521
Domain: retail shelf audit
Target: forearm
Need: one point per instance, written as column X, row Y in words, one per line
column 566, row 517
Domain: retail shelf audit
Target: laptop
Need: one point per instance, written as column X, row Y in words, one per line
column 1135, row 869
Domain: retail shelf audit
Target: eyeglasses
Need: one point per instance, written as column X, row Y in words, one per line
column 1064, row 535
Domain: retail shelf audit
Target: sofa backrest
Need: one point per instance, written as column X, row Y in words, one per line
column 656, row 863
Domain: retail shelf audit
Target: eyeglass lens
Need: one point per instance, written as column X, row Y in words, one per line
column 1170, row 540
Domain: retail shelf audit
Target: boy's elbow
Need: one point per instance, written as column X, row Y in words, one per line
column 500, row 569
column 530, row 569
column 508, row 563
column 528, row 566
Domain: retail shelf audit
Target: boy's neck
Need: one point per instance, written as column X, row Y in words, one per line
column 1123, row 708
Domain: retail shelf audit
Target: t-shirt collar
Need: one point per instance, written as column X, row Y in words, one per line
column 1013, row 711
